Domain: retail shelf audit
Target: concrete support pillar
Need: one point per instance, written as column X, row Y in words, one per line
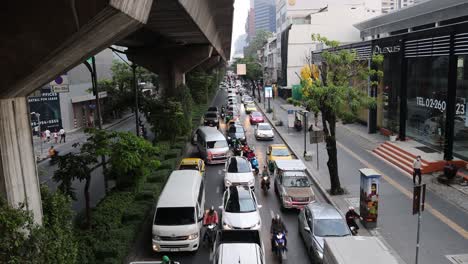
column 19, row 181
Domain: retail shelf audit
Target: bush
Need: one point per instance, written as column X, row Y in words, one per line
column 168, row 164
column 144, row 196
column 172, row 153
column 348, row 118
column 159, row 175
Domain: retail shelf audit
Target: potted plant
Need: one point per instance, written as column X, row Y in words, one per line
column 393, row 126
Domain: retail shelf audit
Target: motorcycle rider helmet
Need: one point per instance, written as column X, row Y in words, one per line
column 165, row 259
column 211, row 210
column 351, row 208
column 278, row 217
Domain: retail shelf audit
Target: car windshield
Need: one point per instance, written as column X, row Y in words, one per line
column 280, row 152
column 330, row 228
column 251, row 106
column 171, row 216
column 264, row 127
column 188, row 167
column 216, row 144
column 211, row 115
column 238, row 165
column 296, row 182
column 242, row 205
column 256, row 114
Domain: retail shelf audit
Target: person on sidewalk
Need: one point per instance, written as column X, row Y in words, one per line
column 47, row 134
column 417, row 170
column 62, row 135
column 55, row 134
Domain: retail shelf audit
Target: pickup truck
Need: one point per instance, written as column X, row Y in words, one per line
column 356, row 250
column 238, row 246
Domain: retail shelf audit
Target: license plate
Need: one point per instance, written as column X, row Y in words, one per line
column 174, row 249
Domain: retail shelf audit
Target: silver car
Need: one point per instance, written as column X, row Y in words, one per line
column 318, row 221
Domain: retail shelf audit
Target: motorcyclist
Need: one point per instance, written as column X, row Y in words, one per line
column 350, row 216
column 210, row 217
column 265, row 171
column 52, row 152
column 277, row 226
column 250, row 154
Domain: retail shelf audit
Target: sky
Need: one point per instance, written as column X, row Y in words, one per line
column 241, row 9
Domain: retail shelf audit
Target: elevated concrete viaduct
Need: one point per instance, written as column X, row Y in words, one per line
column 40, row 40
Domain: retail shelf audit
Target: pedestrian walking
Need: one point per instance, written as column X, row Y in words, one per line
column 417, row 170
column 55, row 134
column 62, row 135
column 47, row 134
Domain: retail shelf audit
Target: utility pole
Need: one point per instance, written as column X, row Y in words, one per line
column 92, row 69
column 135, row 87
column 419, row 196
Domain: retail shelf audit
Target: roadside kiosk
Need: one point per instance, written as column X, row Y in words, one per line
column 369, row 197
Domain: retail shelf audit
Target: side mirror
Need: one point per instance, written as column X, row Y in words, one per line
column 306, row 228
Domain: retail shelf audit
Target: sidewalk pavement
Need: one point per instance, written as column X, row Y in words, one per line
column 41, row 148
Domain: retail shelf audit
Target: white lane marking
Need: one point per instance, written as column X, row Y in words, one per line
column 219, row 172
column 217, row 189
column 272, row 213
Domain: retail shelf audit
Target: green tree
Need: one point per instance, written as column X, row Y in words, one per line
column 333, row 95
column 23, row 241
column 253, row 68
column 261, row 37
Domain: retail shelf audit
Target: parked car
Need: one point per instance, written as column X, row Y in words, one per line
column 238, row 171
column 318, row 221
column 236, row 131
column 292, row 184
column 264, row 131
column 240, row 209
column 256, row 117
column 277, row 152
column 193, row 164
column 211, row 119
column 251, row 107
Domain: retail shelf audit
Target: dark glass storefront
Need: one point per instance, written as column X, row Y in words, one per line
column 424, row 91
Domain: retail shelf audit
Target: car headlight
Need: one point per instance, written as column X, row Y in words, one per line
column 286, row 199
column 193, row 236
column 156, row 237
column 229, row 137
column 227, row 226
column 257, row 225
column 251, row 182
column 242, row 138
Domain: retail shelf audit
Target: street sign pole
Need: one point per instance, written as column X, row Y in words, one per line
column 317, row 156
column 419, row 195
column 305, row 133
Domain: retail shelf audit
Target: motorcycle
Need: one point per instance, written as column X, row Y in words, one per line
column 211, row 235
column 254, row 163
column 265, row 183
column 280, row 247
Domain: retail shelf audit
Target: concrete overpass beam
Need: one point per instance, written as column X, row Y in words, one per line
column 19, row 182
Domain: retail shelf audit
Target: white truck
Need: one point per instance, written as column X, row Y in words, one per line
column 356, row 250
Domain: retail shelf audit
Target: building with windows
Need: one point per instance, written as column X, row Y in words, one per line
column 265, row 18
column 250, row 25
column 424, row 90
column 298, row 20
column 393, row 5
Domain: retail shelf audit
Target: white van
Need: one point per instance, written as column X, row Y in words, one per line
column 211, row 144
column 179, row 213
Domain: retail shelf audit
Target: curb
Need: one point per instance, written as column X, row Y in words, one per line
column 309, row 172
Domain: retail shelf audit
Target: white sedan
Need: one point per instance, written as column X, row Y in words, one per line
column 240, row 209
column 238, row 171
column 264, row 131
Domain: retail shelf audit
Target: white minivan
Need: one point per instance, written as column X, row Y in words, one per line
column 211, row 144
column 179, row 213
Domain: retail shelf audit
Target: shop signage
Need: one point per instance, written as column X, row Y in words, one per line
column 441, row 105
column 385, row 50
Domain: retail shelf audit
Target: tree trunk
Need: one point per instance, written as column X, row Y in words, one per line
column 87, row 203
column 329, row 118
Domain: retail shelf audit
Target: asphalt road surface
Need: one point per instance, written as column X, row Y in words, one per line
column 213, row 191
